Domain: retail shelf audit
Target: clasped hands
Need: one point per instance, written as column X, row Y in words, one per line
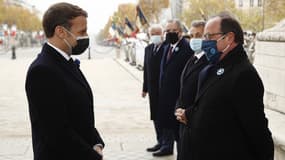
column 180, row 115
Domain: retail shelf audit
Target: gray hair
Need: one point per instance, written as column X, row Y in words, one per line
column 198, row 23
column 155, row 26
column 177, row 22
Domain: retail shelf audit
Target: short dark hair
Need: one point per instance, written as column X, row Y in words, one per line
column 60, row 14
column 198, row 23
column 178, row 23
column 230, row 24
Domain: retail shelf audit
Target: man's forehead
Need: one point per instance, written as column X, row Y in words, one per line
column 79, row 23
column 196, row 29
column 156, row 30
column 172, row 25
column 213, row 24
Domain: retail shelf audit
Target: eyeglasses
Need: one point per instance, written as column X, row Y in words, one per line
column 209, row 36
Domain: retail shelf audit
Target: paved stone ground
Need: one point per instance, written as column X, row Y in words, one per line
column 122, row 116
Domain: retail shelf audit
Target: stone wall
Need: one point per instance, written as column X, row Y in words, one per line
column 270, row 64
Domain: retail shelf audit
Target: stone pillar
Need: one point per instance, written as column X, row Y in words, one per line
column 270, row 64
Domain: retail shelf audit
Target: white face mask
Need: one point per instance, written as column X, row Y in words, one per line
column 156, row 39
column 196, row 44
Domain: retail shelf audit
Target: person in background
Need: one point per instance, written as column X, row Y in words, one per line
column 152, row 59
column 188, row 86
column 175, row 55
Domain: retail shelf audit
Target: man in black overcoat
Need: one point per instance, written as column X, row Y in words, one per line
column 189, row 84
column 176, row 54
column 152, row 59
column 60, row 98
column 227, row 119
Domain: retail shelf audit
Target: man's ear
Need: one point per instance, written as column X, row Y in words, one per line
column 230, row 37
column 59, row 32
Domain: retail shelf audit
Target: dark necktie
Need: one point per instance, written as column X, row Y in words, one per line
column 74, row 63
column 77, row 62
column 71, row 62
column 169, row 54
column 204, row 74
column 74, row 66
column 155, row 48
column 194, row 60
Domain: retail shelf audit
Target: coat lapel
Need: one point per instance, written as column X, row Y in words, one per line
column 163, row 60
column 194, row 66
column 215, row 76
column 223, row 68
column 176, row 51
column 77, row 75
column 63, row 63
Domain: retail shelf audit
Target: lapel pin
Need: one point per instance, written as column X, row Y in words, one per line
column 176, row 49
column 220, row 71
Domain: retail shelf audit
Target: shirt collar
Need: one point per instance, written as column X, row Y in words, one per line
column 61, row 52
column 199, row 54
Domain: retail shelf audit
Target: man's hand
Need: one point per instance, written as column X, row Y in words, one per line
column 144, row 94
column 180, row 115
column 98, row 149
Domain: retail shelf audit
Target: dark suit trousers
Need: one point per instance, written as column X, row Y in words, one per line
column 168, row 138
column 158, row 132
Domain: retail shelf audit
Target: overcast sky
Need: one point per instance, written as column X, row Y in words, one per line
column 98, row 11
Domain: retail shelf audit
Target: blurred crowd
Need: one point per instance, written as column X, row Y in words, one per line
column 133, row 47
column 10, row 37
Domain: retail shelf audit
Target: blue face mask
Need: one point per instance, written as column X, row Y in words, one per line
column 196, row 44
column 211, row 51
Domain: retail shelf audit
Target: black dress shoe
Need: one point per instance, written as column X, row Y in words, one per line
column 154, row 148
column 161, row 153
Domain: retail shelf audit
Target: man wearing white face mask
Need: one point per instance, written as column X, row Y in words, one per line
column 188, row 86
column 60, row 98
column 153, row 55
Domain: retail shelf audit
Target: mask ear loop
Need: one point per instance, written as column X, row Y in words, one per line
column 70, row 33
column 66, row 42
column 228, row 46
column 223, row 37
column 69, row 46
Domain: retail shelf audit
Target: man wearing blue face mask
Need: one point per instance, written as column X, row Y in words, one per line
column 227, row 119
column 188, row 87
column 175, row 55
column 152, row 59
column 60, row 98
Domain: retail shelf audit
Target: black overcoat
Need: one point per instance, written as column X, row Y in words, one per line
column 152, row 59
column 227, row 120
column 170, row 73
column 188, row 91
column 61, row 109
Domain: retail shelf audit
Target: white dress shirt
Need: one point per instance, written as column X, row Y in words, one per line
column 61, row 52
